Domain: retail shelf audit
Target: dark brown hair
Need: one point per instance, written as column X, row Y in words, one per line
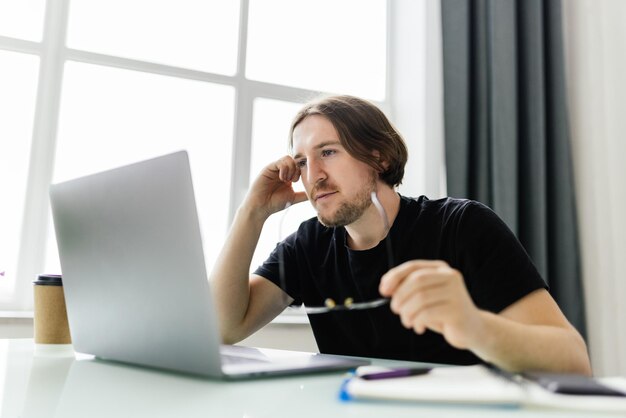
column 364, row 131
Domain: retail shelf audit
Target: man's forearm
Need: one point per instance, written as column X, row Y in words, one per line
column 516, row 346
column 231, row 273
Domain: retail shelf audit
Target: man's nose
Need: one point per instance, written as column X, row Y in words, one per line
column 315, row 172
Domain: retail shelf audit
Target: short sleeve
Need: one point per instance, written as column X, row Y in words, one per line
column 497, row 269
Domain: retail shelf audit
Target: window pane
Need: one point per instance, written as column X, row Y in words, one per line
column 270, row 129
column 200, row 35
column 326, row 45
column 18, row 84
column 22, row 19
column 110, row 117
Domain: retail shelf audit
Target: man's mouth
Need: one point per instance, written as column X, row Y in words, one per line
column 323, row 195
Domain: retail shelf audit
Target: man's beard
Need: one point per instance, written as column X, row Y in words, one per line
column 351, row 211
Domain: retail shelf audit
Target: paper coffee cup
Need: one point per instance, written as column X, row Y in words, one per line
column 50, row 317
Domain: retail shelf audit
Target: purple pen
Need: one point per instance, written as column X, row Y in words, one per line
column 403, row 372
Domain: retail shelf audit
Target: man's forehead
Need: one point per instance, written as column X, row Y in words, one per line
column 316, row 127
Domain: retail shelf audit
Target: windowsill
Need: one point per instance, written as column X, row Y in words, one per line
column 16, row 314
column 288, row 317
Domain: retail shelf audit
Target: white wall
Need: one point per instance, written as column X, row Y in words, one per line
column 416, row 93
column 595, row 40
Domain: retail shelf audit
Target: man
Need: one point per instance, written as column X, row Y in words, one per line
column 461, row 287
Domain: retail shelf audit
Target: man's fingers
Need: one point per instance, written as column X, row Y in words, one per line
column 419, row 303
column 287, row 169
column 415, row 283
column 430, row 318
column 392, row 279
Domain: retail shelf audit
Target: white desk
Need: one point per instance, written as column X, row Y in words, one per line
column 44, row 386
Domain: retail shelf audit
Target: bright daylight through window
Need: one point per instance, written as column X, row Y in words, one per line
column 88, row 85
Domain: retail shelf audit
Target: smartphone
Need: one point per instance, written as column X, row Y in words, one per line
column 571, row 384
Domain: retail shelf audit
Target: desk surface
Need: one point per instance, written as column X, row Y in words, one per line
column 40, row 385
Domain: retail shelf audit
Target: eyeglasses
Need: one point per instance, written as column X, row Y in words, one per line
column 348, row 304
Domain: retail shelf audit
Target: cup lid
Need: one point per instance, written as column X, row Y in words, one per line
column 49, row 280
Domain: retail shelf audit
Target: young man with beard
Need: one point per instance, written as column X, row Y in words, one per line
column 461, row 288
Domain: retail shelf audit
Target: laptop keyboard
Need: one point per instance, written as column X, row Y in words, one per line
column 231, row 354
column 234, row 359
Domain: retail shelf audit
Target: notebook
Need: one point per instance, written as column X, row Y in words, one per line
column 135, row 280
column 480, row 385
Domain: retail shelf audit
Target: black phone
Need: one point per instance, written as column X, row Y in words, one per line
column 571, row 384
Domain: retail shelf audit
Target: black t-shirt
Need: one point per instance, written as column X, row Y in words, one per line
column 466, row 234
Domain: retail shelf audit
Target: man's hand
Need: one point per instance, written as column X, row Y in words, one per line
column 272, row 190
column 431, row 295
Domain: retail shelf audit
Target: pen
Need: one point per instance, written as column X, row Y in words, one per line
column 396, row 373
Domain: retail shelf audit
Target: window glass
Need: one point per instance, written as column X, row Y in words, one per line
column 22, row 19
column 324, row 45
column 18, row 84
column 194, row 34
column 270, row 129
column 111, row 117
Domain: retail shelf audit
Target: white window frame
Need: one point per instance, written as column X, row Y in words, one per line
column 405, row 104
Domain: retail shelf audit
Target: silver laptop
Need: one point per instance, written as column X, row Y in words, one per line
column 135, row 279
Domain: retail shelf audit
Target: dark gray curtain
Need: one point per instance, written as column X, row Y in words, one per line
column 506, row 129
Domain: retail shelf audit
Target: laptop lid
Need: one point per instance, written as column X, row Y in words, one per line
column 134, row 273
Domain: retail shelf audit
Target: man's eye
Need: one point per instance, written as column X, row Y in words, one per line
column 327, row 152
column 300, row 163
